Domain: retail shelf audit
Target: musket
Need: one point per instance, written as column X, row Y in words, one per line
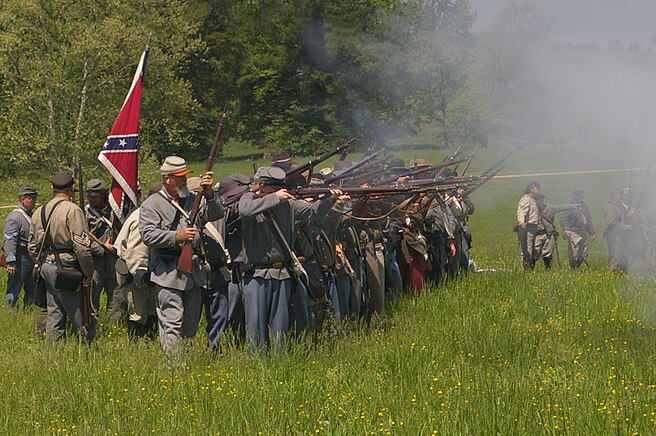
column 643, row 190
column 87, row 307
column 316, row 161
column 185, row 261
column 469, row 160
column 415, row 172
column 484, row 179
column 349, row 170
column 296, row 266
column 374, row 191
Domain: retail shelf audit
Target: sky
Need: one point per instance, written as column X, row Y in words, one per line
column 586, row 21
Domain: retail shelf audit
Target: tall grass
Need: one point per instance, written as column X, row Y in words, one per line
column 503, row 352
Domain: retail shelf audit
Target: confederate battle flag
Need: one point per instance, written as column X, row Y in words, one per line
column 119, row 153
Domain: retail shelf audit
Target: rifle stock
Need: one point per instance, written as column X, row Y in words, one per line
column 185, row 261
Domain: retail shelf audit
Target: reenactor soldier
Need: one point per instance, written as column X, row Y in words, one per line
column 528, row 219
column 268, row 218
column 462, row 208
column 134, row 278
column 214, row 296
column 230, row 227
column 577, row 227
column 19, row 264
column 59, row 242
column 164, row 228
column 546, row 237
column 104, row 227
column 440, row 225
column 616, row 231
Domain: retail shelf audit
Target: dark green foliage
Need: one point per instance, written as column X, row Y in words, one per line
column 300, row 75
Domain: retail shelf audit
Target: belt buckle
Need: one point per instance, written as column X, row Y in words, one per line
column 277, row 265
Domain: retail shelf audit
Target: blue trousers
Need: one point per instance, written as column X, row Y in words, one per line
column 266, row 306
column 23, row 279
column 215, row 303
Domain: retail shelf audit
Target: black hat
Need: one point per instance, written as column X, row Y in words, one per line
column 396, row 162
column 539, row 197
column 281, row 156
column 62, row 179
column 95, row 186
column 272, row 176
column 317, row 179
column 27, row 191
column 232, row 185
column 398, row 171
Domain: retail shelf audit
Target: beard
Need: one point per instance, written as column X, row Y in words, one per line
column 183, row 191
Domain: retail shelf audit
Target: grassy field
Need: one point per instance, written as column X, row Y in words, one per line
column 494, row 353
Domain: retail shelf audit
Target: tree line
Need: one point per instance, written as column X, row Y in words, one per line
column 299, row 75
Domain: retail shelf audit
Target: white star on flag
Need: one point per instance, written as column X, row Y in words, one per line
column 122, row 143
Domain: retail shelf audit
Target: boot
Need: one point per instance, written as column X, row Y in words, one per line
column 135, row 330
column 150, row 328
column 547, row 262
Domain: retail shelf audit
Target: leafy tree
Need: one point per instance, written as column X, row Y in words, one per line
column 303, row 74
column 442, row 45
column 68, row 65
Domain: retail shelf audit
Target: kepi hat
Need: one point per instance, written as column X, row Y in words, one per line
column 62, row 179
column 27, row 191
column 174, row 166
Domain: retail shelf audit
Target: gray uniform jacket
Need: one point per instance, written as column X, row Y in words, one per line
column 577, row 220
column 549, row 214
column 68, row 231
column 16, row 233
column 101, row 228
column 261, row 245
column 159, row 221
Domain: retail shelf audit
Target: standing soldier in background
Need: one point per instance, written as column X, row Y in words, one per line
column 104, row 228
column 546, row 239
column 577, row 226
column 528, row 218
column 616, row 232
column 19, row 263
column 59, row 240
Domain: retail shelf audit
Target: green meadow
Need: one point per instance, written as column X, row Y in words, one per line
column 496, row 352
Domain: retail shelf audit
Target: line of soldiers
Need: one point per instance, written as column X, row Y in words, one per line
column 265, row 262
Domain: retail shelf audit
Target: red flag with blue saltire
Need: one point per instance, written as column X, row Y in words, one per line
column 119, row 154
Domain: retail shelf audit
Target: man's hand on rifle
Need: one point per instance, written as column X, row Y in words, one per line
column 86, row 282
column 109, row 247
column 452, row 247
column 206, row 184
column 283, row 195
column 186, row 234
column 340, row 196
column 11, row 269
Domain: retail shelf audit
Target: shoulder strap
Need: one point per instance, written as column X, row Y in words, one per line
column 22, row 212
column 179, row 211
column 45, row 223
